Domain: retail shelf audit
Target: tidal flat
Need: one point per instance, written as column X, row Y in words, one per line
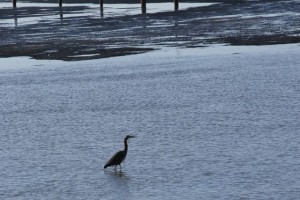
column 82, row 31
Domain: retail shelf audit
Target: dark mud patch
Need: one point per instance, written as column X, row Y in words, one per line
column 260, row 22
column 68, row 52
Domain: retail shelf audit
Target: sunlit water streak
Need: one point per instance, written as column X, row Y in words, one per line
column 212, row 123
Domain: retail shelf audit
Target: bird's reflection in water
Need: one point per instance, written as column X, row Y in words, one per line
column 119, row 181
column 117, row 173
column 120, row 173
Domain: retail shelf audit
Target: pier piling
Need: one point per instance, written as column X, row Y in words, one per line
column 176, row 4
column 143, row 4
column 14, row 3
column 101, row 3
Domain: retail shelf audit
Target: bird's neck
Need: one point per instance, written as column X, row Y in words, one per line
column 126, row 146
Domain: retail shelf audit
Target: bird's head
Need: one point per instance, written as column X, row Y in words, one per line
column 129, row 136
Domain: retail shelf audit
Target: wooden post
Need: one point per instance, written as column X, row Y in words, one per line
column 176, row 4
column 14, row 3
column 101, row 3
column 143, row 3
column 101, row 7
column 60, row 3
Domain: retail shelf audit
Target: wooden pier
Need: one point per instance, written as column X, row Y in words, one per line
column 143, row 5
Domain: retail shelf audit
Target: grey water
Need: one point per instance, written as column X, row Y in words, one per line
column 220, row 123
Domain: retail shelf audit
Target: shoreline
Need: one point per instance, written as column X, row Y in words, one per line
column 69, row 37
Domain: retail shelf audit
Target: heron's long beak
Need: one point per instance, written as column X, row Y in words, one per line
column 132, row 136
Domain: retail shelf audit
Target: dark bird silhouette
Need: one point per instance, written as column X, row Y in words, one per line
column 118, row 158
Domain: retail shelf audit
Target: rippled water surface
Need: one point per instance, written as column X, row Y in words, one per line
column 214, row 123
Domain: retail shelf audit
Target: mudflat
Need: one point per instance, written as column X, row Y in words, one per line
column 82, row 36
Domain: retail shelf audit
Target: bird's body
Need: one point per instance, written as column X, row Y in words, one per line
column 116, row 159
column 119, row 157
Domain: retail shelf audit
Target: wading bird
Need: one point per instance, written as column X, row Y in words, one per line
column 118, row 158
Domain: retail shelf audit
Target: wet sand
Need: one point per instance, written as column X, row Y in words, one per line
column 81, row 37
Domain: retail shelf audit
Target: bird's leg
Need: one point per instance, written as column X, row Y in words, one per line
column 116, row 167
column 120, row 167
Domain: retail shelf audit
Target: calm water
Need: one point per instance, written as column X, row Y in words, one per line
column 213, row 123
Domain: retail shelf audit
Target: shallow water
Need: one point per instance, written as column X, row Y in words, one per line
column 212, row 123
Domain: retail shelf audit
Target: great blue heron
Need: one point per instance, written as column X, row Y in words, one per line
column 118, row 158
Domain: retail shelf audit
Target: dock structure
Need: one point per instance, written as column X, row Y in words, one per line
column 143, row 4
